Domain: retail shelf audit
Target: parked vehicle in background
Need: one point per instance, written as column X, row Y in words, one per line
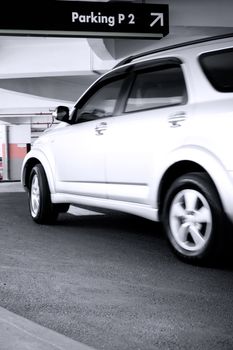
column 152, row 137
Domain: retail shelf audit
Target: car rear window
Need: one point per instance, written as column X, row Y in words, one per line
column 218, row 68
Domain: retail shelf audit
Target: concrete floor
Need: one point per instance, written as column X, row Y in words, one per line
column 111, row 282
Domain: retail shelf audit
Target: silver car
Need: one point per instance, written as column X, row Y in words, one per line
column 152, row 137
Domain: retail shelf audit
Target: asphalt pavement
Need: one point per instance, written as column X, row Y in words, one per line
column 107, row 281
column 19, row 333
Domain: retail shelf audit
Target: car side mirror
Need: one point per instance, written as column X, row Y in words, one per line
column 62, row 113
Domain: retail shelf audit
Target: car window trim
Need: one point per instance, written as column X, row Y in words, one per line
column 156, row 63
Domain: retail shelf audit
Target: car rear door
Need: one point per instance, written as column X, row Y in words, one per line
column 148, row 127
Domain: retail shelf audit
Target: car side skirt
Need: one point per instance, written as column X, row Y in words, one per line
column 131, row 208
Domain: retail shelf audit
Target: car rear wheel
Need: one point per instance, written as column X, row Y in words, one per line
column 193, row 217
column 42, row 210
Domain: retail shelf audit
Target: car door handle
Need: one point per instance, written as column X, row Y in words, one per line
column 100, row 128
column 176, row 120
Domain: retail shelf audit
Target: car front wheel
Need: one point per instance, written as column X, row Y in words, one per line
column 193, row 218
column 41, row 209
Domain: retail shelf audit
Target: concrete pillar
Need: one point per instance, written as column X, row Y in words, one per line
column 5, row 152
column 16, row 143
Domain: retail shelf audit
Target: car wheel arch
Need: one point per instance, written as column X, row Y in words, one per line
column 176, row 170
column 31, row 162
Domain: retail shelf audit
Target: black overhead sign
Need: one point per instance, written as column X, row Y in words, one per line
column 84, row 19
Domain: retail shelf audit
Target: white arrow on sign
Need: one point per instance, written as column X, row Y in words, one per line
column 158, row 17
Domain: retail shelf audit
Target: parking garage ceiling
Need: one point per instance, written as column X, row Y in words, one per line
column 188, row 20
column 51, row 67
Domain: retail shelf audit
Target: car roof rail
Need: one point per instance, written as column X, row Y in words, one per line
column 170, row 47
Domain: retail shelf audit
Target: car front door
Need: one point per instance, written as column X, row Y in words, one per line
column 79, row 148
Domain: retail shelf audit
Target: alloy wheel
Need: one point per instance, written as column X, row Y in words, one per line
column 35, row 196
column 190, row 220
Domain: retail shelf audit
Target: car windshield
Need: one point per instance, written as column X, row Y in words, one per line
column 218, row 67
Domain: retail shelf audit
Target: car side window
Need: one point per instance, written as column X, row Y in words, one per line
column 101, row 104
column 157, row 88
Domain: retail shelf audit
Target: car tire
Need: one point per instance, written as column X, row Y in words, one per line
column 41, row 208
column 193, row 218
